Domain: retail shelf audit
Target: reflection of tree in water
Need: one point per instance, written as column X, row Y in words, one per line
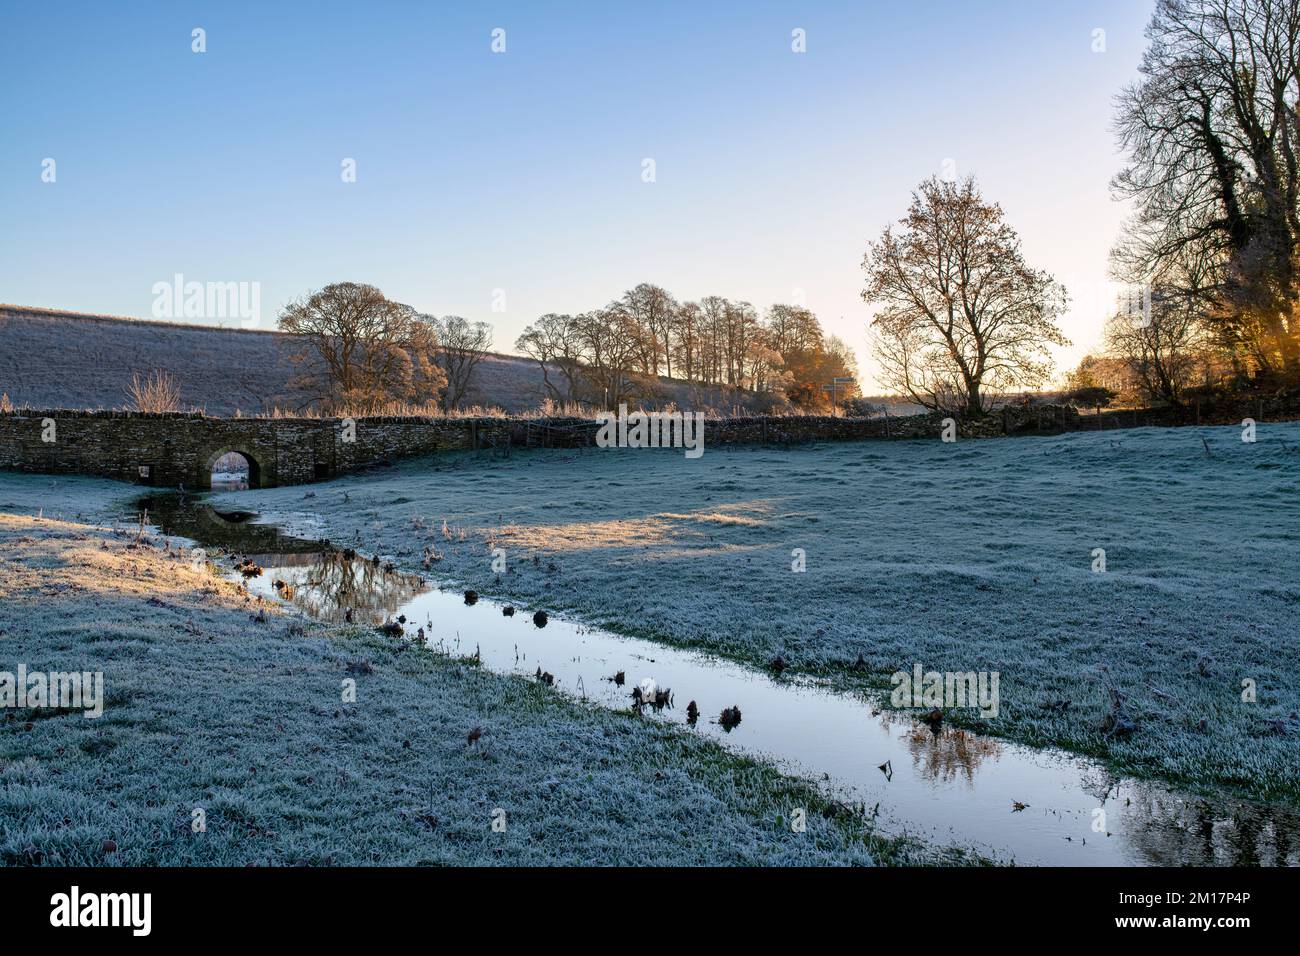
column 1100, row 782
column 1168, row 828
column 945, row 755
column 328, row 588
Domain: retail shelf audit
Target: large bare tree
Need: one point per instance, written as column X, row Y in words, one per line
column 1211, row 130
column 464, row 345
column 357, row 350
column 961, row 314
column 597, row 355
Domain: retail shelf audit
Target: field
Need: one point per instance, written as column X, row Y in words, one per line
column 971, row 556
column 974, row 556
column 209, row 709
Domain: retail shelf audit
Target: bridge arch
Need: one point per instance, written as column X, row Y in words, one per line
column 254, row 466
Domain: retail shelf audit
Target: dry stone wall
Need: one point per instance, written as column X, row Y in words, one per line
column 173, row 449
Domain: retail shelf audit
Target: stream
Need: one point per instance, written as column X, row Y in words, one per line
column 947, row 786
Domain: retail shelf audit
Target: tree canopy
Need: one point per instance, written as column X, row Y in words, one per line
column 961, row 315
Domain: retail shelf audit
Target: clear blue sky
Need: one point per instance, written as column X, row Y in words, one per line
column 522, row 171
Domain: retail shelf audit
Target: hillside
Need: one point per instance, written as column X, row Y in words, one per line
column 54, row 359
column 51, row 359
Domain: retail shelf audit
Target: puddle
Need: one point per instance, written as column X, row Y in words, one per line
column 949, row 787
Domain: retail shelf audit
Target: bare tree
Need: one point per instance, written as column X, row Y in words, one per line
column 741, row 321
column 464, row 345
column 610, row 342
column 158, row 392
column 1212, row 130
column 358, row 350
column 961, row 313
column 685, row 345
column 598, row 355
column 554, row 343
column 1162, row 347
column 713, row 317
column 764, row 365
column 793, row 328
column 652, row 310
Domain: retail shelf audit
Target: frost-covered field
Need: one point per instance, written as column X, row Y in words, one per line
column 82, row 500
column 209, row 709
column 966, row 557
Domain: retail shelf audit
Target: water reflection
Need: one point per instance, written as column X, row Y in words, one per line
column 949, row 785
column 1160, row 824
column 232, row 530
column 332, row 585
column 946, row 755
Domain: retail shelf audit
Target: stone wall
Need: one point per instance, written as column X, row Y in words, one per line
column 171, row 449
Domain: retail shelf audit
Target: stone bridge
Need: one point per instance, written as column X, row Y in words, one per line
column 170, row 449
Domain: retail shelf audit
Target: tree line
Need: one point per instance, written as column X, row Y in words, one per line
column 355, row 349
column 618, row 353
